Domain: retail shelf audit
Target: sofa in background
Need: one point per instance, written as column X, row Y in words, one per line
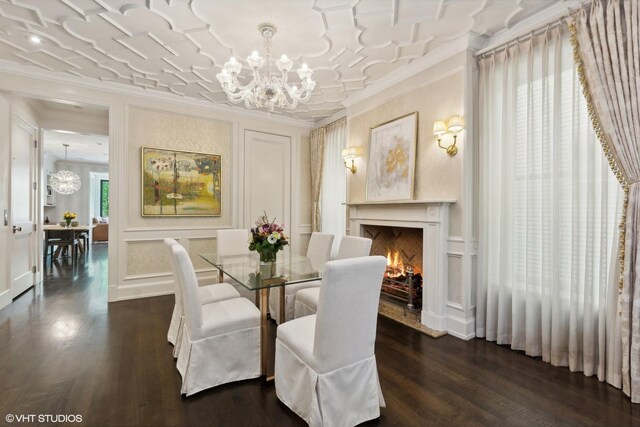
column 101, row 230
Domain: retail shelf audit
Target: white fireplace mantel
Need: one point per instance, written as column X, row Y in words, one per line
column 432, row 216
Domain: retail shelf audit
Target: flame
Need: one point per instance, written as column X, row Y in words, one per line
column 395, row 266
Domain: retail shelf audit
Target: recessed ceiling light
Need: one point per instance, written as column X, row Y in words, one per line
column 99, row 143
column 35, row 39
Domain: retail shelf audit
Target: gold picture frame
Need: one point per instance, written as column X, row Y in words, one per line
column 392, row 159
column 180, row 183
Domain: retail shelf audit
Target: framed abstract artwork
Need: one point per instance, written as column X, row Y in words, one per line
column 392, row 160
column 180, row 183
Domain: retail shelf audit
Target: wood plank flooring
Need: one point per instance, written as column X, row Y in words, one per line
column 64, row 350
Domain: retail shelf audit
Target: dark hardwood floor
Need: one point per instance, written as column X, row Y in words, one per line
column 64, row 350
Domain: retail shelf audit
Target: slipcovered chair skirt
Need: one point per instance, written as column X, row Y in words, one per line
column 325, row 366
column 220, row 342
column 207, row 294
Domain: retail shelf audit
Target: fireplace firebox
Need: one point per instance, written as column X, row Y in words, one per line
column 402, row 246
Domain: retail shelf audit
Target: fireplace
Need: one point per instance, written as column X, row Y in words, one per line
column 402, row 246
column 424, row 220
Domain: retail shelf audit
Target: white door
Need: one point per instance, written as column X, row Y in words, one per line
column 267, row 178
column 22, row 206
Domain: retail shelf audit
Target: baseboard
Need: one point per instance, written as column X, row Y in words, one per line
column 5, row 298
column 460, row 326
column 431, row 321
column 144, row 290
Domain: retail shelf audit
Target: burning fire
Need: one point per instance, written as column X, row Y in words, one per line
column 395, row 266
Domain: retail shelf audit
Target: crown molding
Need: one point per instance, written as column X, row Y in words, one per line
column 441, row 53
column 332, row 118
column 534, row 22
column 122, row 89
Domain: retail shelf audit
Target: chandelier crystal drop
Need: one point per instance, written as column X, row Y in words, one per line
column 64, row 181
column 266, row 91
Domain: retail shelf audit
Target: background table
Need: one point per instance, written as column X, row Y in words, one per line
column 57, row 227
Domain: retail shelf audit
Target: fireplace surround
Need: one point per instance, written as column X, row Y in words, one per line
column 433, row 218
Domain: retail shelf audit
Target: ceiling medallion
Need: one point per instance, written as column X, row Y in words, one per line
column 64, row 181
column 266, row 91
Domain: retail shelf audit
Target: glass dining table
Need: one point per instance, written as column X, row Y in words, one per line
column 249, row 272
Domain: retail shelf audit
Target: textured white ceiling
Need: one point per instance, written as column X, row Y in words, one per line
column 178, row 46
column 82, row 148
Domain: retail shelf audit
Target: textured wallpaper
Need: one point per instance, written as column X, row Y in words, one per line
column 151, row 128
column 147, row 257
column 437, row 176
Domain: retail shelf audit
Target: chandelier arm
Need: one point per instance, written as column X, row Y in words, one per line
column 240, row 86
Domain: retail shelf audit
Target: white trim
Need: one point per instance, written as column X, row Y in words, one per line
column 5, row 298
column 144, row 290
column 553, row 13
column 342, row 114
column 177, row 228
column 305, row 229
column 439, row 54
column 129, row 90
column 458, row 325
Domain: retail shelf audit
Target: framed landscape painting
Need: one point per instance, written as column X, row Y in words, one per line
column 180, row 183
column 392, row 160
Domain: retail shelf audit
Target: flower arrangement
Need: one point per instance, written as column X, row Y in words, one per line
column 68, row 217
column 267, row 238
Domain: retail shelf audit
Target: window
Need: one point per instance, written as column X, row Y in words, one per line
column 104, row 198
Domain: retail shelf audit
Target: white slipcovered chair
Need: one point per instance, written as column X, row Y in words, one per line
column 207, row 294
column 234, row 242
column 319, row 252
column 306, row 300
column 325, row 366
column 221, row 340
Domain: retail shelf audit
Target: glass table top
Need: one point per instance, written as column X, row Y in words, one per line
column 249, row 272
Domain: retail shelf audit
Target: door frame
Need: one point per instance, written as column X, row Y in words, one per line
column 36, row 245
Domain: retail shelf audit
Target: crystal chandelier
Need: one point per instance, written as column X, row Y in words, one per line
column 266, row 91
column 64, row 181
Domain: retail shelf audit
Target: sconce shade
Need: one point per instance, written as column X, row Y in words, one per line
column 349, row 153
column 439, row 128
column 455, row 124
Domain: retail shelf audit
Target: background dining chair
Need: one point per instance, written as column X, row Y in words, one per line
column 306, row 300
column 221, row 340
column 318, row 252
column 325, row 365
column 234, row 242
column 206, row 294
column 60, row 240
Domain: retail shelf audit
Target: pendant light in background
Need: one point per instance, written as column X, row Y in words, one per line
column 64, row 181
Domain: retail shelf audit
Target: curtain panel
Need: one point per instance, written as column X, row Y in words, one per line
column 316, row 157
column 607, row 38
column 546, row 272
column 334, row 188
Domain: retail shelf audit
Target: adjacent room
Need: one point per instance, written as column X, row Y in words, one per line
column 320, row 212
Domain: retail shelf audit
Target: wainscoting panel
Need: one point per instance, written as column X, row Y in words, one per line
column 147, row 257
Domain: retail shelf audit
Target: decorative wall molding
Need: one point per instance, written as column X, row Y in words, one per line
column 5, row 298
column 461, row 322
column 123, row 89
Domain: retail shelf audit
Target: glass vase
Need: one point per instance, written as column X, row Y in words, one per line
column 268, row 257
column 68, row 221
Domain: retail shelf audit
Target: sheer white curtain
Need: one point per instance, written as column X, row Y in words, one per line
column 547, row 279
column 334, row 183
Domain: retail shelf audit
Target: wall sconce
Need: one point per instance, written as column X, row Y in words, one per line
column 349, row 154
column 455, row 126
